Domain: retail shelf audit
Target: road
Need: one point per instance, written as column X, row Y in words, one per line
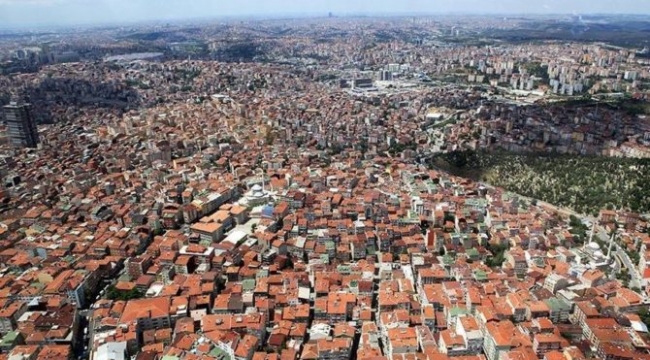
column 91, row 334
column 635, row 278
column 80, row 341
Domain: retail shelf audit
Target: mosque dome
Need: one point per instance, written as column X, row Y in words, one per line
column 267, row 211
column 594, row 246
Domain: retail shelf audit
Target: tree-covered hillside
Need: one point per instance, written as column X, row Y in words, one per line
column 585, row 184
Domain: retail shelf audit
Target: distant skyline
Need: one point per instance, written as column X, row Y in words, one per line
column 28, row 13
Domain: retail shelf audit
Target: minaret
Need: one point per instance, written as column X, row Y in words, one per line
column 591, row 236
column 611, row 241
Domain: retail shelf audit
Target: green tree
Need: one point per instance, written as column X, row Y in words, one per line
column 498, row 255
column 114, row 294
column 644, row 314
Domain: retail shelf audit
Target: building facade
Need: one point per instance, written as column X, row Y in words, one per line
column 21, row 125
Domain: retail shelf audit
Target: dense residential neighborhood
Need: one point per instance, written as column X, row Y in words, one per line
column 198, row 204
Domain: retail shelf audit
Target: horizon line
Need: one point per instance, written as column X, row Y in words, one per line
column 299, row 16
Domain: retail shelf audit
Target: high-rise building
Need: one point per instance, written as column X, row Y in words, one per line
column 21, row 125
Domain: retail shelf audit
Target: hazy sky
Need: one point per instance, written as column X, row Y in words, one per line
column 64, row 12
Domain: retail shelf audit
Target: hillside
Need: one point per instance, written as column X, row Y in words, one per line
column 585, row 184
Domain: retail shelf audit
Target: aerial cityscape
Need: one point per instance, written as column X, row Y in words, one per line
column 349, row 184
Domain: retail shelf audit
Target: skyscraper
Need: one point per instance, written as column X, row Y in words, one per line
column 21, row 126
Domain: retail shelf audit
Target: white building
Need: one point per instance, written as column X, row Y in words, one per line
column 111, row 351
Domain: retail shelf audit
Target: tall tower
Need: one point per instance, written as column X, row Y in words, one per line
column 21, row 125
column 611, row 240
